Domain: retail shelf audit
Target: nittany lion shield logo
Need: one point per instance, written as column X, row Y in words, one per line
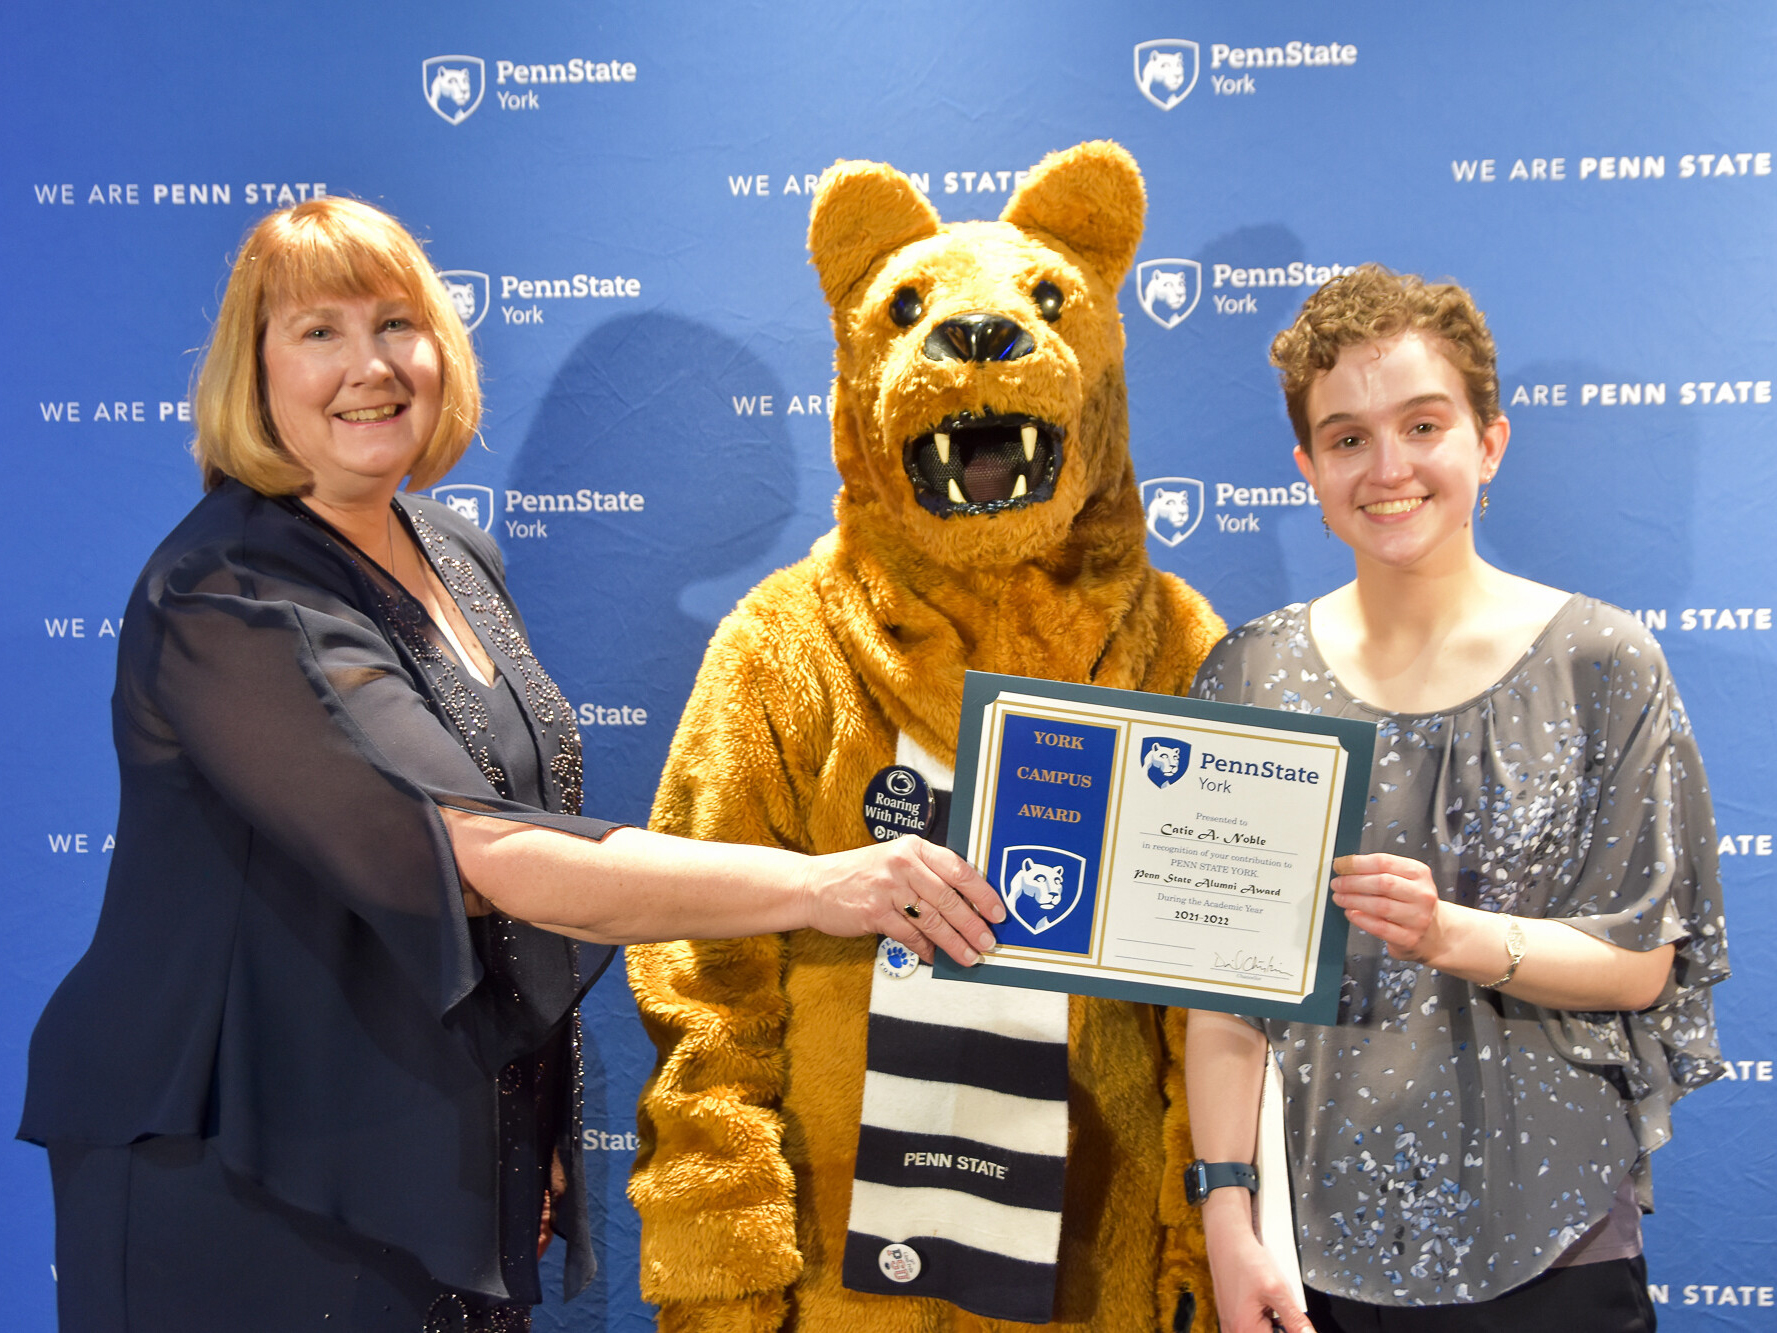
column 1041, row 885
column 1166, row 70
column 1174, row 506
column 468, row 292
column 1168, row 289
column 475, row 503
column 1164, row 759
column 453, row 85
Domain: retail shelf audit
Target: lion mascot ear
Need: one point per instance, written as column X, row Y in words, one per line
column 1090, row 198
column 862, row 211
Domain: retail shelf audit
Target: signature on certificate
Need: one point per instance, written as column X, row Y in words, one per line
column 1250, row 964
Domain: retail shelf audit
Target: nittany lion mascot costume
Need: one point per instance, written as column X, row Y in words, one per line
column 988, row 519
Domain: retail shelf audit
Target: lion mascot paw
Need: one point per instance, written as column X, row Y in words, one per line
column 988, row 519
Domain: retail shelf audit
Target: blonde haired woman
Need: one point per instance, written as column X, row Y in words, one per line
column 318, row 1068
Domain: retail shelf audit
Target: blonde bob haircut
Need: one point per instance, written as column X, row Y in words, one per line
column 1372, row 303
column 325, row 248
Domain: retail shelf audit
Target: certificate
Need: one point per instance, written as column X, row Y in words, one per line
column 1160, row 849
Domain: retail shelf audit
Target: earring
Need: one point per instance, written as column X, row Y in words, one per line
column 1484, row 486
column 1326, row 528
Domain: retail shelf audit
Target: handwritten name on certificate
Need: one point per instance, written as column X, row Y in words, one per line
column 1162, row 849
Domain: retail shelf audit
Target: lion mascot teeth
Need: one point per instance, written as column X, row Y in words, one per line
column 988, row 519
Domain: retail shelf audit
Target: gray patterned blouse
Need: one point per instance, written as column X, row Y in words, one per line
column 1448, row 1142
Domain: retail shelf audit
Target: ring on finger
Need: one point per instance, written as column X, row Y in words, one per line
column 912, row 909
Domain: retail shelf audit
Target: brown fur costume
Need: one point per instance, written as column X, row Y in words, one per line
column 750, row 1123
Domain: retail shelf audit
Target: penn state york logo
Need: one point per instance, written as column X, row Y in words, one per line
column 1174, row 506
column 475, row 503
column 1166, row 70
column 453, row 85
column 1168, row 289
column 1164, row 759
column 468, row 292
column 1041, row 885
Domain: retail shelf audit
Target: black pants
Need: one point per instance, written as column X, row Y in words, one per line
column 160, row 1237
column 1587, row 1298
column 1610, row 1297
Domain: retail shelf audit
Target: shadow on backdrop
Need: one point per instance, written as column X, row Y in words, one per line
column 1204, row 404
column 644, row 405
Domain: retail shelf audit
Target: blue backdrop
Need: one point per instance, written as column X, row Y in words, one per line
column 620, row 194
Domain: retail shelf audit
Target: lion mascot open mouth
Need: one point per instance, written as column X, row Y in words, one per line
column 988, row 519
column 979, row 403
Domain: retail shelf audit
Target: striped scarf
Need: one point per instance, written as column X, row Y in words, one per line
column 962, row 1148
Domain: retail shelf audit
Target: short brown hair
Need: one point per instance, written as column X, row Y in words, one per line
column 326, row 247
column 1372, row 303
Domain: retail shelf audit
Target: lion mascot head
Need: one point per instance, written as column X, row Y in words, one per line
column 979, row 405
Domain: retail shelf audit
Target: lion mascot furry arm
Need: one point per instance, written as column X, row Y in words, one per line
column 988, row 519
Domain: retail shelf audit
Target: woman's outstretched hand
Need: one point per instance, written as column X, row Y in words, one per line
column 868, row 892
column 1395, row 899
column 633, row 887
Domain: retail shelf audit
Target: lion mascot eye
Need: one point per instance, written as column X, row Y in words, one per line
column 906, row 308
column 1048, row 298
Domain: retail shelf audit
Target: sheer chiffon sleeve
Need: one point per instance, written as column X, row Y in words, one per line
column 279, row 845
column 1646, row 876
column 305, row 722
column 282, row 964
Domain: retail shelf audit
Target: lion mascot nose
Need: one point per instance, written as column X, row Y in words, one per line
column 978, row 337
